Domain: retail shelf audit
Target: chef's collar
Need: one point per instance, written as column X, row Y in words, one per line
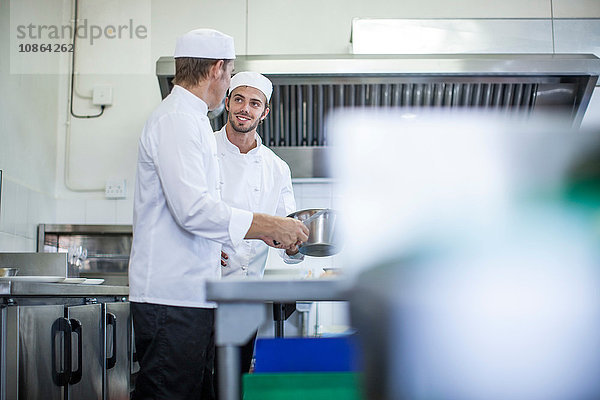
column 234, row 149
column 190, row 97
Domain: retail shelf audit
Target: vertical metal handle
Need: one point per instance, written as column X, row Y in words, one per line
column 111, row 319
column 77, row 328
column 62, row 377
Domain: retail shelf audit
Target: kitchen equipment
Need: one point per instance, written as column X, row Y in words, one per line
column 39, row 264
column 322, row 239
column 33, row 278
column 95, row 251
column 64, row 342
column 306, row 88
column 4, row 272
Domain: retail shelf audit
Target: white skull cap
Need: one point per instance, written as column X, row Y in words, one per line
column 205, row 43
column 252, row 79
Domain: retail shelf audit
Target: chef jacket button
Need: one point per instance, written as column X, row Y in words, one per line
column 256, row 189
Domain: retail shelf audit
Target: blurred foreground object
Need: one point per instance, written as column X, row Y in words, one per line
column 476, row 269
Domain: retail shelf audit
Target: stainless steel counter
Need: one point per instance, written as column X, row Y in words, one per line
column 279, row 291
column 242, row 309
column 60, row 290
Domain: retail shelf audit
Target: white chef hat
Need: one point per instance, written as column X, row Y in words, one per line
column 205, row 43
column 252, row 79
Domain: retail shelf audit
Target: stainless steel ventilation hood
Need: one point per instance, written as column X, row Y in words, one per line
column 306, row 87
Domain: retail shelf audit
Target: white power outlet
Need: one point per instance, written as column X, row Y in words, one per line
column 115, row 189
column 102, row 95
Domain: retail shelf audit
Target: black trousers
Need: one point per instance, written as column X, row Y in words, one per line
column 176, row 351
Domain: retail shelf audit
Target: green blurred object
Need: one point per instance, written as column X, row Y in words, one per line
column 302, row 386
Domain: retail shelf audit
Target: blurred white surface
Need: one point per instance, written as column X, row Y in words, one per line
column 413, row 179
column 477, row 242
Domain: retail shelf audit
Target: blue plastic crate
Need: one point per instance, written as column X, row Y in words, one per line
column 336, row 354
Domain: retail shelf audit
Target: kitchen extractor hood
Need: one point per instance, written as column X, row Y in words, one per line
column 307, row 87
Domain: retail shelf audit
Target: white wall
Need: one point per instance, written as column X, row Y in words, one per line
column 106, row 147
column 28, row 124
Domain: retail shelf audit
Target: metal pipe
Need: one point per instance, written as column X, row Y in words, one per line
column 449, row 90
column 438, row 95
column 508, row 96
column 386, row 97
column 518, row 96
column 427, row 95
column 487, row 95
column 467, row 90
column 310, row 128
column 456, row 92
column 229, row 372
column 406, row 94
column 319, row 115
column 293, row 132
column 418, row 95
column 276, row 132
column 330, row 107
column 285, row 132
column 497, row 95
column 477, row 94
column 299, row 116
column 360, row 95
column 396, row 91
column 303, row 122
column 351, row 95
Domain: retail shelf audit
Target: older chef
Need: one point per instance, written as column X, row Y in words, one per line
column 253, row 178
column 180, row 224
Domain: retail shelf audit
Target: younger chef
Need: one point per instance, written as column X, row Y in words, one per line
column 253, row 178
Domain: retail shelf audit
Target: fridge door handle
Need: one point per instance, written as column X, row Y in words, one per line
column 77, row 328
column 111, row 319
column 61, row 376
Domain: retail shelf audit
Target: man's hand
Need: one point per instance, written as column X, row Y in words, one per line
column 279, row 232
column 293, row 250
column 224, row 258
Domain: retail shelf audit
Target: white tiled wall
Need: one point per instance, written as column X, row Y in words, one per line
column 22, row 209
column 576, row 8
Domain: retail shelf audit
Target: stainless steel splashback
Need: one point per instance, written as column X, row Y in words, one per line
column 306, row 88
column 107, row 248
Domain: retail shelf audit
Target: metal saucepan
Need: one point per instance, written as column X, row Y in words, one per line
column 4, row 272
column 322, row 240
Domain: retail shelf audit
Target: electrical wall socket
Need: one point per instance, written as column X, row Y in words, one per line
column 115, row 189
column 102, row 95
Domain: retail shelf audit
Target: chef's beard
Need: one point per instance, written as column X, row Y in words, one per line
column 236, row 127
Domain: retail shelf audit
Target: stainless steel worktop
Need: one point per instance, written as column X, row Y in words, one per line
column 278, row 291
column 60, row 290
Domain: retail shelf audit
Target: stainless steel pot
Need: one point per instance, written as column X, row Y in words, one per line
column 323, row 239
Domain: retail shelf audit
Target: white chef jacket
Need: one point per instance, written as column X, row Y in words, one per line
column 179, row 219
column 258, row 181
